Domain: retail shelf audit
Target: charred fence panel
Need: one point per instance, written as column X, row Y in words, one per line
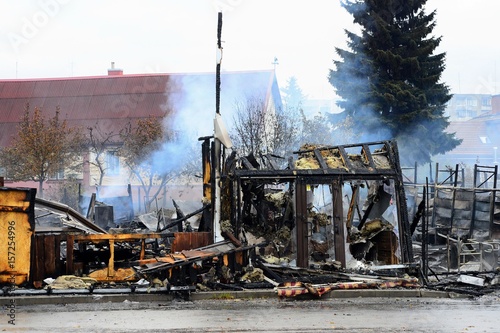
column 465, row 212
column 47, row 264
column 190, row 240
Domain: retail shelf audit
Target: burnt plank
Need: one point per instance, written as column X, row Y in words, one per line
column 49, row 254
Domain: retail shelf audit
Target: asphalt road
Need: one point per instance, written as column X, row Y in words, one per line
column 264, row 315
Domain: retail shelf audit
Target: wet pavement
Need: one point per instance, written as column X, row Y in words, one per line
column 380, row 314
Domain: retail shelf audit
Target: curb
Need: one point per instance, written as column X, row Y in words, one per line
column 217, row 295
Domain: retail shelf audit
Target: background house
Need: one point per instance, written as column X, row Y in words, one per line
column 480, row 135
column 186, row 100
column 463, row 107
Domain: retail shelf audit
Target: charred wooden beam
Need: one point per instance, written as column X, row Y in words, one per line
column 320, row 159
column 345, row 158
column 352, row 206
column 368, row 155
column 247, row 163
column 180, row 215
column 418, row 216
column 259, row 263
column 185, row 217
column 232, row 238
column 365, row 215
column 91, row 209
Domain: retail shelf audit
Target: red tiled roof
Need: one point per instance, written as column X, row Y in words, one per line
column 115, row 100
column 472, row 132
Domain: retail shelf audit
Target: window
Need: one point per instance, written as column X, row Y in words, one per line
column 472, row 102
column 484, row 139
column 471, row 113
column 460, row 101
column 58, row 175
column 486, row 101
column 112, row 163
column 461, row 113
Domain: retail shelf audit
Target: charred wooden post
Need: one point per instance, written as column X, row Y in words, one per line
column 418, row 216
column 206, row 219
column 130, row 202
column 301, row 223
column 180, row 215
column 425, row 236
column 338, row 223
column 405, row 232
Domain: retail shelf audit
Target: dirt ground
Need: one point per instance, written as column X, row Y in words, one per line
column 265, row 315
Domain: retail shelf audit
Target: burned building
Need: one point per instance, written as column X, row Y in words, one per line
column 333, row 205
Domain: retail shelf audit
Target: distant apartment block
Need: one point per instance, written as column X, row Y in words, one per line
column 463, row 107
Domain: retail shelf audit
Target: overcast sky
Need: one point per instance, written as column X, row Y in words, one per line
column 61, row 38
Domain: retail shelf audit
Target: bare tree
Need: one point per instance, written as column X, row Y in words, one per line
column 258, row 130
column 140, row 144
column 99, row 142
column 42, row 148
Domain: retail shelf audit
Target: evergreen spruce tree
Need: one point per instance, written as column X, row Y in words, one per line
column 389, row 78
column 293, row 97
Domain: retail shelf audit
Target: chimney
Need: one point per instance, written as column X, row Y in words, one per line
column 114, row 71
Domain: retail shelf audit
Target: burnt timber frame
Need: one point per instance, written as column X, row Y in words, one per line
column 110, row 239
column 335, row 177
